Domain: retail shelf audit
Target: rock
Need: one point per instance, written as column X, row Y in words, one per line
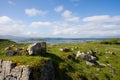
column 90, row 58
column 47, row 72
column 98, row 69
column 9, row 71
column 65, row 49
column 80, row 55
column 109, row 52
column 37, row 49
column 61, row 49
column 12, row 51
column 89, row 63
column 9, row 53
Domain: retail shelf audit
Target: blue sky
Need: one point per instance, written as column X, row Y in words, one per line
column 60, row 18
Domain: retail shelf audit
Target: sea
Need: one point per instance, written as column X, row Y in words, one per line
column 58, row 40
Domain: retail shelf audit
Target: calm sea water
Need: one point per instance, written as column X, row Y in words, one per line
column 58, row 40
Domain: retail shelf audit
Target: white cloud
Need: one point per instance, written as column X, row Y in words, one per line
column 102, row 28
column 58, row 8
column 10, row 26
column 96, row 18
column 40, row 24
column 35, row 12
column 67, row 14
column 5, row 19
column 102, row 18
column 91, row 28
column 69, row 17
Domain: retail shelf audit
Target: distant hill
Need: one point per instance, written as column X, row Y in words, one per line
column 11, row 37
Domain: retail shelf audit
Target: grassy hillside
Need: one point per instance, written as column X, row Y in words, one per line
column 72, row 68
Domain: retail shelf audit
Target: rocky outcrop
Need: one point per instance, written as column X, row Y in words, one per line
column 37, row 49
column 47, row 72
column 9, row 71
column 90, row 57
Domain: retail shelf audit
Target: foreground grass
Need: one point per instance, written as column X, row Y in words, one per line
column 72, row 69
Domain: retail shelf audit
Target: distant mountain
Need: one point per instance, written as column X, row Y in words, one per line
column 11, row 37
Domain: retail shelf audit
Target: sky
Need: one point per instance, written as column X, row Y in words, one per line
column 60, row 18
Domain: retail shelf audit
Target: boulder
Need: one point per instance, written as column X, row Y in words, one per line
column 89, row 57
column 37, row 48
column 80, row 55
column 89, row 63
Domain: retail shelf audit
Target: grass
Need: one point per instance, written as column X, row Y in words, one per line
column 72, row 69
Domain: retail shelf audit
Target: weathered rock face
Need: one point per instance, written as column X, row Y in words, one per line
column 47, row 72
column 37, row 49
column 9, row 71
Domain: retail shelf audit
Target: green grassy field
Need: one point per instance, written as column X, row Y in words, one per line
column 73, row 68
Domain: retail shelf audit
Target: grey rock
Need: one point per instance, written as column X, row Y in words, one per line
column 9, row 71
column 65, row 49
column 89, row 63
column 37, row 49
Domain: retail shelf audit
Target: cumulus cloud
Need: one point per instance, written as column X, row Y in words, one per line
column 58, row 8
column 5, row 19
column 9, row 26
column 35, row 12
column 69, row 17
column 102, row 26
column 89, row 27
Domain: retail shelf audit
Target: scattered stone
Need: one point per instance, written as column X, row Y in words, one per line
column 98, row 69
column 89, row 57
column 65, row 49
column 110, row 52
column 61, row 49
column 37, row 49
column 89, row 63
column 76, row 48
column 80, row 55
column 72, row 49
